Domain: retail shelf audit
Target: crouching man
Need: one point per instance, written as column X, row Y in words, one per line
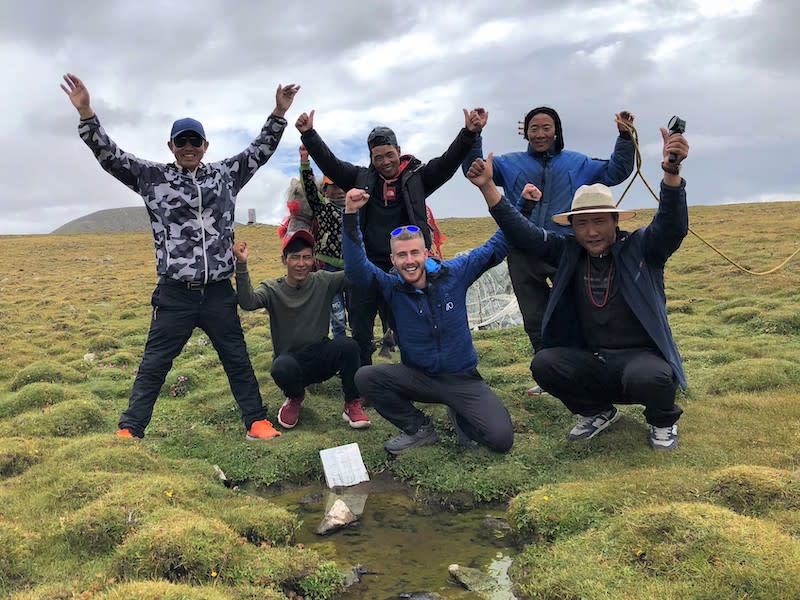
column 438, row 359
column 605, row 331
column 299, row 309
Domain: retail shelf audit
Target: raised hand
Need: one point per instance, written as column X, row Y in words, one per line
column 625, row 117
column 674, row 144
column 305, row 122
column 78, row 95
column 355, row 199
column 531, row 192
column 284, row 96
column 480, row 171
column 475, row 119
column 240, row 251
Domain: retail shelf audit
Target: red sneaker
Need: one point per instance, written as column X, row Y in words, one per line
column 124, row 433
column 262, row 430
column 354, row 414
column 289, row 412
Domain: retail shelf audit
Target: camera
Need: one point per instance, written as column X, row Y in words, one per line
column 676, row 125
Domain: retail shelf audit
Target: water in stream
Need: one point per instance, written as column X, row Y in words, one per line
column 405, row 545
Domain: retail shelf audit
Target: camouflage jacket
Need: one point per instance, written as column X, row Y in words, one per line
column 192, row 214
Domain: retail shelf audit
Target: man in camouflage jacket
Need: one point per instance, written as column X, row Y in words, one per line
column 191, row 207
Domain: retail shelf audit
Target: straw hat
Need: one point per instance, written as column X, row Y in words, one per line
column 595, row 198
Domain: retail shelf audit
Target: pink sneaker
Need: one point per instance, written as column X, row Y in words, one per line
column 354, row 414
column 289, row 412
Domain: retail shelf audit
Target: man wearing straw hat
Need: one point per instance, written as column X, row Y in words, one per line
column 605, row 332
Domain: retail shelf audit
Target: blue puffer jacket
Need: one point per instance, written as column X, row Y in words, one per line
column 639, row 256
column 432, row 326
column 557, row 174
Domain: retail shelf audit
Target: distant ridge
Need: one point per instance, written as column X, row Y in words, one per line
column 109, row 220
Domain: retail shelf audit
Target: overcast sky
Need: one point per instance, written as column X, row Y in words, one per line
column 730, row 69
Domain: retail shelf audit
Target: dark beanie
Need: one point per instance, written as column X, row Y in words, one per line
column 559, row 143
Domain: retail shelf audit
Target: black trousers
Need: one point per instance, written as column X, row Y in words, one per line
column 588, row 383
column 529, row 280
column 293, row 371
column 393, row 389
column 364, row 306
column 176, row 312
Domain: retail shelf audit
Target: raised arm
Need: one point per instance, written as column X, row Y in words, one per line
column 670, row 225
column 359, row 270
column 249, row 299
column 79, row 95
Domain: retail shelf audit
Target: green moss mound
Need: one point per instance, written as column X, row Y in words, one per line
column 70, row 418
column 44, row 371
column 259, row 521
column 180, row 547
column 755, row 490
column 704, row 551
column 754, row 375
column 101, row 343
column 559, row 510
column 17, row 454
column 162, row 590
column 32, row 396
column 106, row 452
column 15, row 555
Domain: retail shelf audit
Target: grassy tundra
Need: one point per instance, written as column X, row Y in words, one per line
column 83, row 514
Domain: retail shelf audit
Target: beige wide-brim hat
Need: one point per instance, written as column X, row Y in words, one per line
column 595, row 198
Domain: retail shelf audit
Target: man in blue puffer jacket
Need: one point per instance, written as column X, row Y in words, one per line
column 191, row 208
column 558, row 173
column 439, row 362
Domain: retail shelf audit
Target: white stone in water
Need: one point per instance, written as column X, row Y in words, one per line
column 338, row 516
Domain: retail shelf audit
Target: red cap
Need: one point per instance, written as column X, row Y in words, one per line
column 303, row 234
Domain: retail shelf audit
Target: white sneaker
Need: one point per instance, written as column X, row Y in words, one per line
column 663, row 438
column 591, row 426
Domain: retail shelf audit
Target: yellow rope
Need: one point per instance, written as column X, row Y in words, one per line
column 635, row 138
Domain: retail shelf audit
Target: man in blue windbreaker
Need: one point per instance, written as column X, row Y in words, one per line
column 438, row 360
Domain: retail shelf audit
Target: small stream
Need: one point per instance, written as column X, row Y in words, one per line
column 405, row 545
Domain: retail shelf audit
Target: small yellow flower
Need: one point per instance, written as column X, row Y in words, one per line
column 545, row 498
column 168, row 493
column 214, row 573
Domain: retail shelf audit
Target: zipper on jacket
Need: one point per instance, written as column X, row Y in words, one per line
column 202, row 225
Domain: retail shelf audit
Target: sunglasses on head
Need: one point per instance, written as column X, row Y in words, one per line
column 195, row 140
column 408, row 228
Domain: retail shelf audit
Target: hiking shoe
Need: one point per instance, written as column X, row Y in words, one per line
column 663, row 438
column 289, row 412
column 535, row 391
column 262, row 430
column 425, row 436
column 591, row 426
column 125, row 433
column 462, row 438
column 354, row 414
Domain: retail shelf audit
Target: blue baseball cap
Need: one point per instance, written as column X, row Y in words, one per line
column 187, row 124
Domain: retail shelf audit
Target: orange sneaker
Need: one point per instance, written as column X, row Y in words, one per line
column 124, row 433
column 262, row 430
column 354, row 414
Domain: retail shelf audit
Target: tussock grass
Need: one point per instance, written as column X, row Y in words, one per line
column 676, row 550
column 74, row 496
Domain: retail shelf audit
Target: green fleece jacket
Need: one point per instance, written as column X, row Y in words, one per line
column 298, row 316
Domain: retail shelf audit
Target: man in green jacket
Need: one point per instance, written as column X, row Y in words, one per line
column 298, row 304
